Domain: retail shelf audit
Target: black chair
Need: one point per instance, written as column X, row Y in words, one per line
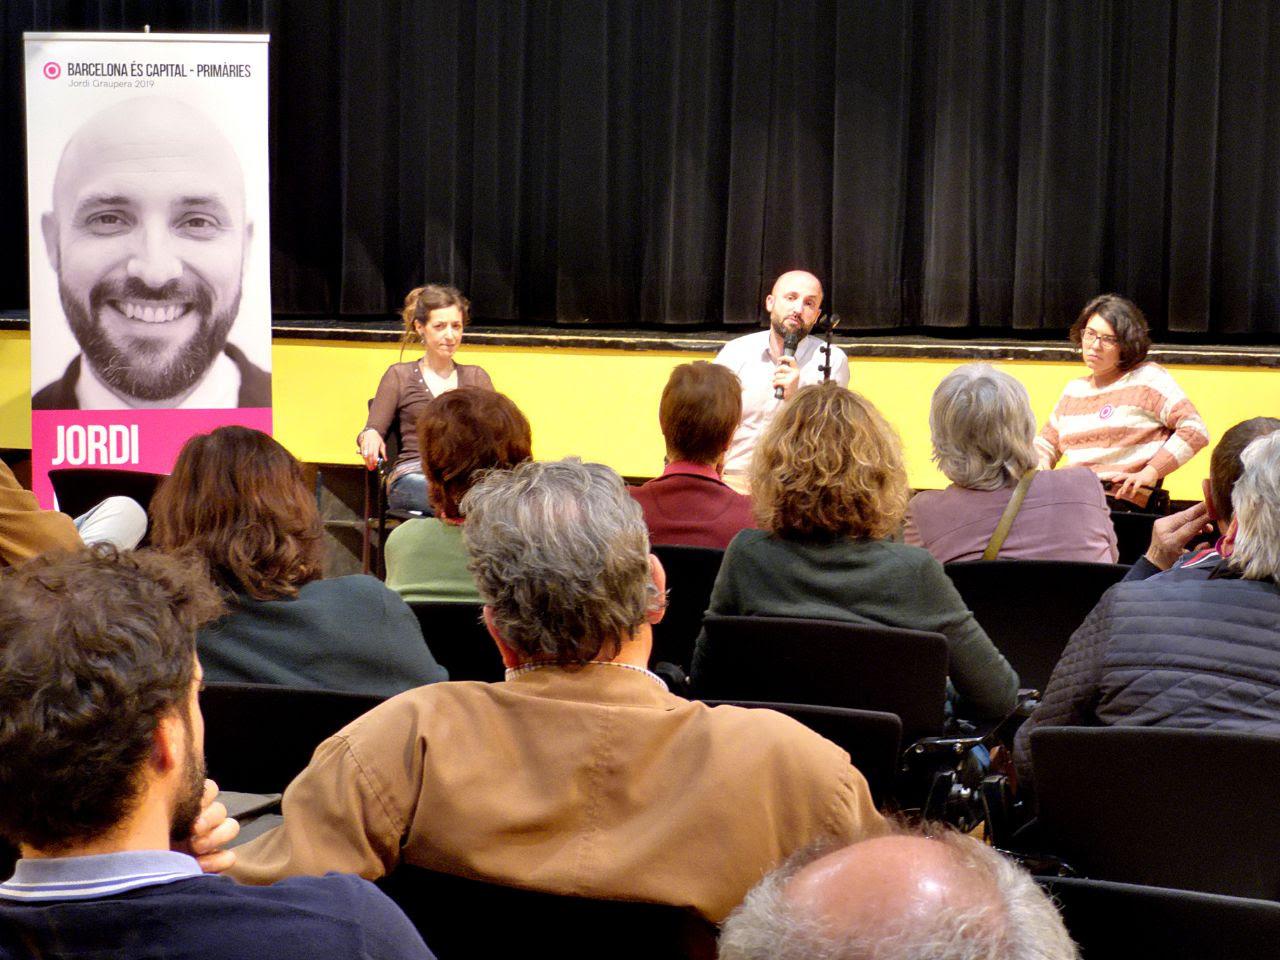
column 378, row 517
column 1133, row 533
column 691, row 573
column 1030, row 608
column 79, row 489
column 1123, row 921
column 457, row 638
column 1191, row 809
column 462, row 917
column 259, row 736
column 828, row 662
column 872, row 738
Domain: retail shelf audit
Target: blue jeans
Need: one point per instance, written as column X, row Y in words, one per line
column 409, row 492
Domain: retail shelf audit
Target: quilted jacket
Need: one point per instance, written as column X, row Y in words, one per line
column 1172, row 651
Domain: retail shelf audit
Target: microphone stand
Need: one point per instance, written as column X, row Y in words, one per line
column 833, row 321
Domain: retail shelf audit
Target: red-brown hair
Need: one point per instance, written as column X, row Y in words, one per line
column 238, row 497
column 463, row 432
column 700, row 409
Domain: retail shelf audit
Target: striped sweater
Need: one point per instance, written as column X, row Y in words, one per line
column 1143, row 418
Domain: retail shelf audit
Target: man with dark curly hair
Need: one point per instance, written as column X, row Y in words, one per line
column 102, row 782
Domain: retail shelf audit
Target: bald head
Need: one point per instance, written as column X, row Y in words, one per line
column 899, row 897
column 147, row 137
column 148, row 235
column 883, row 883
column 794, row 303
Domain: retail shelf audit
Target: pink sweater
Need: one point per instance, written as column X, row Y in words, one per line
column 1143, row 418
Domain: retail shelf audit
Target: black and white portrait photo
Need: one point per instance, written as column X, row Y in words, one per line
column 150, row 234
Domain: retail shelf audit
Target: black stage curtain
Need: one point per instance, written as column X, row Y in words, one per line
column 981, row 167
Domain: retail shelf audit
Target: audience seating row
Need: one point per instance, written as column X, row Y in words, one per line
column 1188, row 809
column 1122, row 921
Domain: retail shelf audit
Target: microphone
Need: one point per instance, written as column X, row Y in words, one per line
column 789, row 345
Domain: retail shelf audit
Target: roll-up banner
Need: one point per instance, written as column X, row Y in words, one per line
column 149, row 245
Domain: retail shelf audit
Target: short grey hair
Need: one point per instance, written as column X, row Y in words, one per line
column 1255, row 503
column 982, row 427
column 560, row 552
column 1020, row 923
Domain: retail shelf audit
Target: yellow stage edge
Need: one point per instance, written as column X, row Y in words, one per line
column 602, row 405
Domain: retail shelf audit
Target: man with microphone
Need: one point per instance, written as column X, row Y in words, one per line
column 772, row 364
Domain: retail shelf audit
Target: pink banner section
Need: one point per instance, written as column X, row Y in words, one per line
column 141, row 440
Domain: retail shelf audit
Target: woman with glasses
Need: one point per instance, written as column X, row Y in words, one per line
column 1127, row 421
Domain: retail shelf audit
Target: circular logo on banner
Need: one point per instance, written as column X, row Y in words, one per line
column 52, row 70
column 1106, row 412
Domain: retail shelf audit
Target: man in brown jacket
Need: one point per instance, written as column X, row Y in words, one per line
column 26, row 531
column 580, row 774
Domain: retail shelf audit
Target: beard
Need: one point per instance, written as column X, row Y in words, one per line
column 779, row 326
column 147, row 368
column 190, row 799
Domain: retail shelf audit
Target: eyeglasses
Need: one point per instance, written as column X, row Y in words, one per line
column 1089, row 338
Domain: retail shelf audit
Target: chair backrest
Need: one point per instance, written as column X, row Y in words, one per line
column 828, row 662
column 872, row 738
column 1133, row 533
column 259, row 736
column 1192, row 809
column 457, row 638
column 691, row 573
column 1122, row 921
column 1030, row 608
column 462, row 917
column 80, row 488
column 373, row 550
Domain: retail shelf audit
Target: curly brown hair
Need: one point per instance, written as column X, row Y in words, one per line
column 464, row 432
column 238, row 498
column 1128, row 322
column 95, row 648
column 829, row 466
column 420, row 301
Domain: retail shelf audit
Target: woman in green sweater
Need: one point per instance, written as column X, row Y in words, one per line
column 460, row 434
column 829, row 488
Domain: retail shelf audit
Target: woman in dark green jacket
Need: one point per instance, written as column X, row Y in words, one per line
column 829, row 488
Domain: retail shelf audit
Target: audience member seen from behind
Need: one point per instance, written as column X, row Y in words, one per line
column 1183, row 649
column 237, row 498
column 102, row 782
column 1171, row 535
column 901, row 897
column 26, row 531
column 460, row 434
column 434, row 316
column 829, row 488
column 1128, row 421
column 616, row 788
column 983, row 434
column 690, row 504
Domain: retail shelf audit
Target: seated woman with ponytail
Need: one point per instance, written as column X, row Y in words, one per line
column 433, row 316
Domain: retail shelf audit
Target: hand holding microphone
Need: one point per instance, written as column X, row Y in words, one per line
column 787, row 374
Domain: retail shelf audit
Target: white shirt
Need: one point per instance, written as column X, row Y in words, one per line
column 751, row 359
column 437, row 384
column 219, row 389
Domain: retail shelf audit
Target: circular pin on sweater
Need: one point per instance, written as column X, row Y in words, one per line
column 1106, row 412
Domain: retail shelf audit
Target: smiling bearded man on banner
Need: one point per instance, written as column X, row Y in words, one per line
column 149, row 236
